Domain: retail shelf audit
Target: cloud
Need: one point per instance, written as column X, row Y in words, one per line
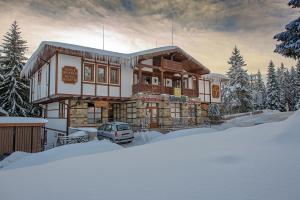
column 208, row 29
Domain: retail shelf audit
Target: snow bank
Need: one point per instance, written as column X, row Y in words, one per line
column 290, row 132
column 63, row 152
column 18, row 155
column 234, row 164
column 182, row 133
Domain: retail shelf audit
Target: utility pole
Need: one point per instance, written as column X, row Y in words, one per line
column 103, row 36
column 172, row 29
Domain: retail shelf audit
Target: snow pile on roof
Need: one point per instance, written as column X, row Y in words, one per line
column 22, row 120
column 121, row 58
column 215, row 76
column 64, row 152
column 259, row 162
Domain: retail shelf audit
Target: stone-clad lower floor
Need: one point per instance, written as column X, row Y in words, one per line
column 141, row 111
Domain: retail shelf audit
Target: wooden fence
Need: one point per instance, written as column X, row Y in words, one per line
column 21, row 138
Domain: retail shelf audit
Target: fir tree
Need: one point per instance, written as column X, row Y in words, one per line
column 289, row 40
column 14, row 91
column 291, row 92
column 259, row 92
column 282, row 84
column 237, row 93
column 272, row 88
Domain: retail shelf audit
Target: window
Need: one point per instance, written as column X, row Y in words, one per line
column 94, row 114
column 61, row 109
column 175, row 110
column 147, row 80
column 101, row 74
column 88, row 72
column 114, row 75
column 123, row 127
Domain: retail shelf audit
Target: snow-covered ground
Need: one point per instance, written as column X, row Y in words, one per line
column 21, row 159
column 253, row 163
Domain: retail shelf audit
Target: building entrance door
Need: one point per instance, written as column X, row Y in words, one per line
column 152, row 114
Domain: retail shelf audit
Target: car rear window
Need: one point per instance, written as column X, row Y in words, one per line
column 123, row 127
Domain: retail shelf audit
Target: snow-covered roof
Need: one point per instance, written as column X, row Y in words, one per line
column 123, row 59
column 22, row 120
column 215, row 76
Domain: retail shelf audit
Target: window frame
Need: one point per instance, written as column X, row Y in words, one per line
column 105, row 74
column 118, row 75
column 92, row 65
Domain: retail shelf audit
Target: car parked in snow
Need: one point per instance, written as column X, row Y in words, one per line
column 118, row 132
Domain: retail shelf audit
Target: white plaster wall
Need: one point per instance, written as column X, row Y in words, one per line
column 102, row 90
column 53, row 110
column 114, row 91
column 52, row 75
column 126, row 82
column 201, row 86
column 64, row 88
column 44, row 81
column 88, row 89
column 147, row 62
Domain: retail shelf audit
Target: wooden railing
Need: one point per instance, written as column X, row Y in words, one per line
column 157, row 89
column 172, row 65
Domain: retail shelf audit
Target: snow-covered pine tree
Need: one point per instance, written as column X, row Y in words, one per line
column 14, row 91
column 290, row 39
column 297, row 82
column 282, row 84
column 237, row 96
column 214, row 112
column 294, row 3
column 272, row 88
column 291, row 91
column 259, row 93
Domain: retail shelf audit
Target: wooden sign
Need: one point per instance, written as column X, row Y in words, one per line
column 215, row 91
column 101, row 104
column 177, row 92
column 69, row 74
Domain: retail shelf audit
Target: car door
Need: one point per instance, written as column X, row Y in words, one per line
column 107, row 131
column 100, row 131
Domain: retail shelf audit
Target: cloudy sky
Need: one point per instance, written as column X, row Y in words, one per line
column 207, row 29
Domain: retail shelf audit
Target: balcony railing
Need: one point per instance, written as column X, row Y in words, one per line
column 157, row 89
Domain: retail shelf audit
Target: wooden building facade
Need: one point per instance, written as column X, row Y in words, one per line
column 80, row 86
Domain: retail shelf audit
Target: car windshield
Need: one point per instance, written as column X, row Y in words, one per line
column 123, row 127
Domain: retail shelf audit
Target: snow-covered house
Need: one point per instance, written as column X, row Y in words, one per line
column 81, row 86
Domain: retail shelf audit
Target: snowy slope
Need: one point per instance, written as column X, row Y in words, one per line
column 254, row 163
column 60, row 153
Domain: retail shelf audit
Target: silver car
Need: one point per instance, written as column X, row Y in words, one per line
column 118, row 132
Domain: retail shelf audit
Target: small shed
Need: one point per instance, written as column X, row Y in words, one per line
column 21, row 134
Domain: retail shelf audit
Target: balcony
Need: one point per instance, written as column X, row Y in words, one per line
column 157, row 89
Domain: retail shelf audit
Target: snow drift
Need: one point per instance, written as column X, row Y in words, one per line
column 250, row 163
column 59, row 153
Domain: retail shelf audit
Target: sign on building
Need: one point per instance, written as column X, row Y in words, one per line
column 69, row 74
